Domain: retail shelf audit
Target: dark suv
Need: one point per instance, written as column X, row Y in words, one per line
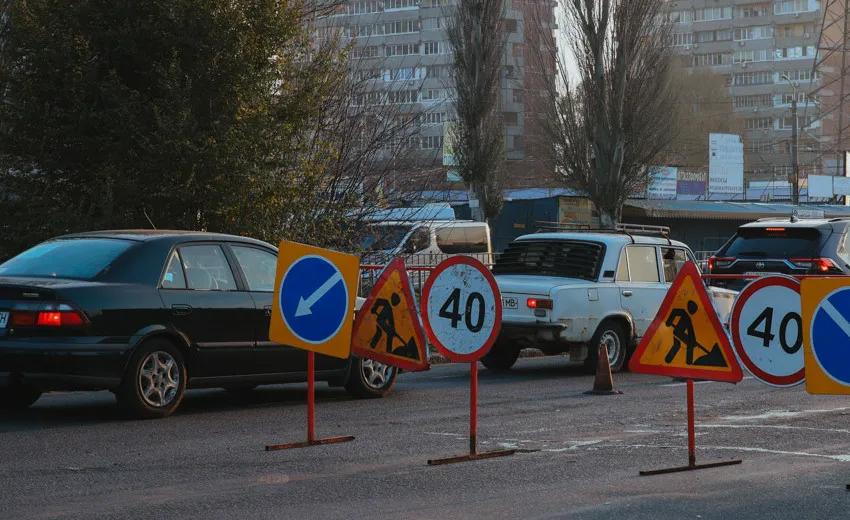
column 787, row 246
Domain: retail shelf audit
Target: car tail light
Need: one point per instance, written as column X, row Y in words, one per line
column 717, row 261
column 53, row 314
column 539, row 303
column 819, row 265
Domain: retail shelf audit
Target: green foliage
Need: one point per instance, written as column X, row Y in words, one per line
column 188, row 114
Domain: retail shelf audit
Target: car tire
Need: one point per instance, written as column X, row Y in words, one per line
column 369, row 379
column 611, row 333
column 500, row 357
column 18, row 397
column 155, row 381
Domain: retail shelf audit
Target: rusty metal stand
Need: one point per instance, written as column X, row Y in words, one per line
column 311, row 415
column 473, row 428
column 692, row 445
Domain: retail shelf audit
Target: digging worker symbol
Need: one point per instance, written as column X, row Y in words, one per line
column 683, row 333
column 383, row 311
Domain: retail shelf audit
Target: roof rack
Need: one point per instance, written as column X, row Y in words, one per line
column 628, row 229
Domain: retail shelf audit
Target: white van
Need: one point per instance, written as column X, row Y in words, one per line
column 425, row 242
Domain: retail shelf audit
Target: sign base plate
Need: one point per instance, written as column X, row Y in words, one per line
column 470, row 457
column 305, row 444
column 690, row 467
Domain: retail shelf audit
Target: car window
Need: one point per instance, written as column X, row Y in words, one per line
column 643, row 264
column 623, row 268
column 173, row 277
column 81, row 258
column 258, row 266
column 774, row 242
column 207, row 268
column 673, row 260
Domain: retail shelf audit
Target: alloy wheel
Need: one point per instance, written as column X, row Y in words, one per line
column 159, row 379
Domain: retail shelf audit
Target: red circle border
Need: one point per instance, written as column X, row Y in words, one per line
column 426, row 321
column 752, row 288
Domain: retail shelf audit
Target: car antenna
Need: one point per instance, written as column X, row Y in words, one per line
column 149, row 219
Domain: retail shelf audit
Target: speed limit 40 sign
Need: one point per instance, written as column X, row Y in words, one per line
column 767, row 330
column 462, row 313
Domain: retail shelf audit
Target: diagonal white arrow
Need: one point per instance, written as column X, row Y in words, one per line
column 305, row 306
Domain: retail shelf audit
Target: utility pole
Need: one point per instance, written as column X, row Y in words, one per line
column 795, row 188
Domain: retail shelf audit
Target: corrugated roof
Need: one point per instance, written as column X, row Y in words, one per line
column 722, row 210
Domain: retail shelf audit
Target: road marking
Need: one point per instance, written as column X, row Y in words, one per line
column 779, row 414
column 836, row 316
column 840, row 458
column 773, row 426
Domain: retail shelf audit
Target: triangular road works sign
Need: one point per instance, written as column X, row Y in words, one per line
column 686, row 338
column 387, row 328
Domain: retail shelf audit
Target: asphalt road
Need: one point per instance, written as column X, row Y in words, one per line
column 72, row 456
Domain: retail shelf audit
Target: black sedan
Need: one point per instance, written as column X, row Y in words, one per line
column 147, row 314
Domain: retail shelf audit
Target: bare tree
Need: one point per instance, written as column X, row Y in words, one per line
column 477, row 37
column 704, row 106
column 609, row 114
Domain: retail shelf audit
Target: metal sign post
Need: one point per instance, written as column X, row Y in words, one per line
column 462, row 314
column 312, row 309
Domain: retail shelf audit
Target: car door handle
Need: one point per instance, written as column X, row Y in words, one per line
column 268, row 309
column 627, row 293
column 181, row 310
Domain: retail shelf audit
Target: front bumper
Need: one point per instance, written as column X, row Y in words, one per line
column 62, row 365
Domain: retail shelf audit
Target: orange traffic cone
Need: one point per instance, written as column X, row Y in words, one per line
column 604, row 382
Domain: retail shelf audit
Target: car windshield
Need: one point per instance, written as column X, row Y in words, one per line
column 382, row 238
column 776, row 242
column 82, row 258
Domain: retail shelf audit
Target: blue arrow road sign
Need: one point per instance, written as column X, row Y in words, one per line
column 830, row 335
column 313, row 299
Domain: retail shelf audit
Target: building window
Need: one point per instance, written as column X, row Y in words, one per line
column 432, row 24
column 402, row 96
column 711, row 60
column 752, row 78
column 713, row 36
column 713, row 13
column 511, row 118
column 400, row 4
column 437, row 71
column 793, row 53
column 517, row 95
column 750, row 56
column 365, row 52
column 685, row 16
column 364, row 7
column 752, row 11
column 401, row 27
column 759, row 123
column 402, row 49
column 510, row 26
column 760, row 100
column 679, row 39
column 791, row 6
column 753, row 33
column 432, row 47
column 432, row 141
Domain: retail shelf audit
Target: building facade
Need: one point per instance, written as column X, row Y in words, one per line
column 767, row 52
column 401, row 49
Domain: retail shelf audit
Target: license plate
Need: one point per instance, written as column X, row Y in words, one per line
column 760, row 273
column 510, row 303
column 4, row 319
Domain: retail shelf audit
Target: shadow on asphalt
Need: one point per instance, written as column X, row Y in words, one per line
column 57, row 410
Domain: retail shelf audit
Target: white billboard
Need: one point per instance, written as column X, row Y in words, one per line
column 820, row 187
column 725, row 164
column 662, row 184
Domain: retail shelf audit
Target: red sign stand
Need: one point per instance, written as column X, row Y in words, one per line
column 692, row 445
column 473, row 428
column 311, row 415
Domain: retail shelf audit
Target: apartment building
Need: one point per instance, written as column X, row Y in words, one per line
column 767, row 52
column 401, row 47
